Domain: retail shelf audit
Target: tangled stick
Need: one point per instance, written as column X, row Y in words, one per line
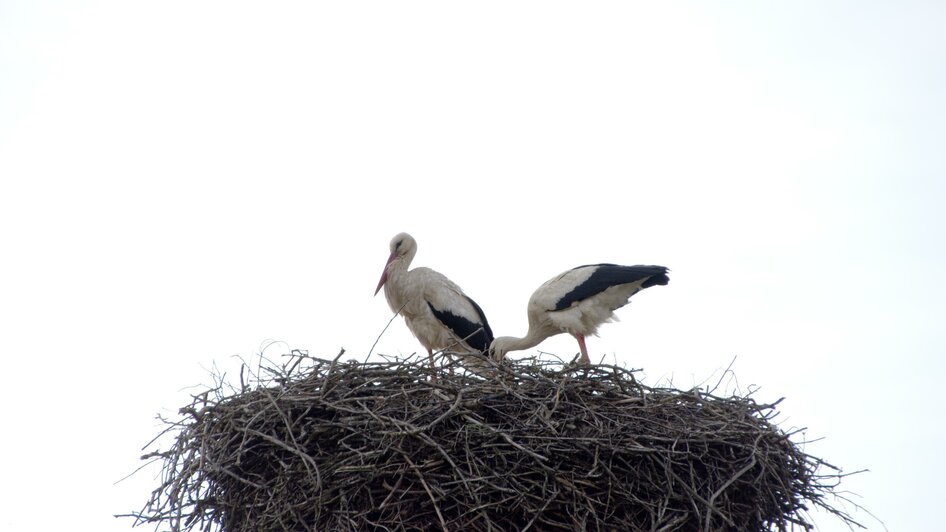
column 316, row 444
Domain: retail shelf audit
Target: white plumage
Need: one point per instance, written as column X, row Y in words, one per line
column 435, row 309
column 577, row 302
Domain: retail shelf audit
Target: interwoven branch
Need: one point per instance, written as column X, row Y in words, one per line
column 326, row 445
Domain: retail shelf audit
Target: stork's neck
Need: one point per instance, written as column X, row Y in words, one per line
column 395, row 290
column 397, row 268
column 532, row 338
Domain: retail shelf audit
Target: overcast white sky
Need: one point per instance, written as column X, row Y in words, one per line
column 181, row 182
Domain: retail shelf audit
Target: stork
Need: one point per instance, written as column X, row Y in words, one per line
column 435, row 309
column 577, row 302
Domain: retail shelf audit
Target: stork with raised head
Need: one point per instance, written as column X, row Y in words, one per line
column 577, row 302
column 435, row 309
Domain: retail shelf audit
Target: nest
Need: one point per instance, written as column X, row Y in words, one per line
column 317, row 444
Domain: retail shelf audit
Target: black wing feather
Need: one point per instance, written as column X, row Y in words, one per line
column 608, row 275
column 477, row 336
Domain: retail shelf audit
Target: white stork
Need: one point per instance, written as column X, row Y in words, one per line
column 577, row 302
column 435, row 309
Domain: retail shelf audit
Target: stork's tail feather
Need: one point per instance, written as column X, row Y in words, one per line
column 658, row 277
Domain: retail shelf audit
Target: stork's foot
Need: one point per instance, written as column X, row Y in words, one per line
column 578, row 362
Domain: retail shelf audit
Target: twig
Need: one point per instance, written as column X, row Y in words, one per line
column 320, row 444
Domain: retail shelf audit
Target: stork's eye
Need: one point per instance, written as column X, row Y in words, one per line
column 397, row 245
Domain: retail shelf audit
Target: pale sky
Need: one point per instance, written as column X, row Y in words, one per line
column 184, row 182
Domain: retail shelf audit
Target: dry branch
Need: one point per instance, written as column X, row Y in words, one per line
column 317, row 444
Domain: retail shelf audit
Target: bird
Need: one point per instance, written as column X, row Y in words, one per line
column 439, row 314
column 577, row 302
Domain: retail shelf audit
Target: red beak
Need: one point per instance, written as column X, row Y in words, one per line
column 384, row 274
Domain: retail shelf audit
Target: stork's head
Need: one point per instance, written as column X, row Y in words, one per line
column 403, row 248
column 499, row 348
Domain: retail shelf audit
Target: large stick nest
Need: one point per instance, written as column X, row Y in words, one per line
column 318, row 444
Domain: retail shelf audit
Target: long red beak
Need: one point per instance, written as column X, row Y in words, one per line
column 384, row 274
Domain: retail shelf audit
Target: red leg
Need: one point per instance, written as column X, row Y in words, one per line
column 433, row 367
column 584, row 350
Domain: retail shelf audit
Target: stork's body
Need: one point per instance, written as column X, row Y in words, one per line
column 578, row 301
column 434, row 308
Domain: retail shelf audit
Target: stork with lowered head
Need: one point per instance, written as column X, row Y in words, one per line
column 577, row 302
